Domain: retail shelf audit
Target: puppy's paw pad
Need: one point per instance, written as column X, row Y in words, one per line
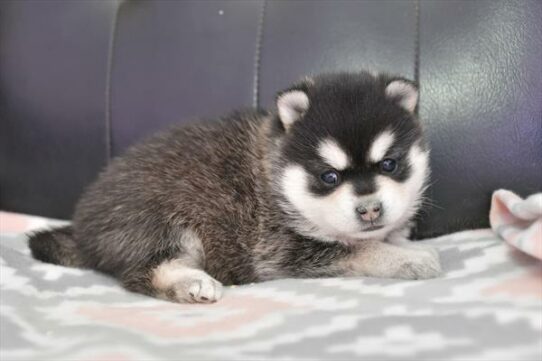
column 193, row 286
column 206, row 290
column 198, row 288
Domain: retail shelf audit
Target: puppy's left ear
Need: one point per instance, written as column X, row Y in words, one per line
column 404, row 92
column 292, row 104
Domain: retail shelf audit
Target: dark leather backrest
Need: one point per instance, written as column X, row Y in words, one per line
column 174, row 61
column 82, row 80
column 481, row 79
column 53, row 65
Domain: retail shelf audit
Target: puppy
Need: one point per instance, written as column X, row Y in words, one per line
column 324, row 186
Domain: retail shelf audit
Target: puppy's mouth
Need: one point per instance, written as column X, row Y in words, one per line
column 373, row 228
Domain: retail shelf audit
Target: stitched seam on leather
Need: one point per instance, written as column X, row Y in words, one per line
column 257, row 58
column 415, row 233
column 108, row 75
column 417, row 45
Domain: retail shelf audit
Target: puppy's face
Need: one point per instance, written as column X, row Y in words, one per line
column 353, row 163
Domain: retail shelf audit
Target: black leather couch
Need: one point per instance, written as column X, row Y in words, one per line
column 82, row 80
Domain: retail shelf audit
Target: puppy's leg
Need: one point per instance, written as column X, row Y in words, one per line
column 379, row 259
column 180, row 279
column 174, row 280
column 306, row 259
column 400, row 238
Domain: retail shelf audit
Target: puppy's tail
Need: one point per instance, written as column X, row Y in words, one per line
column 56, row 246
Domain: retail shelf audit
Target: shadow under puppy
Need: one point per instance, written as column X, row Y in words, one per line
column 325, row 186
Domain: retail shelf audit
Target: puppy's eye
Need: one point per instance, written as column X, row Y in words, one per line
column 388, row 165
column 330, row 177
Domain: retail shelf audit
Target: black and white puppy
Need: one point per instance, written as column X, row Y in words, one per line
column 325, row 186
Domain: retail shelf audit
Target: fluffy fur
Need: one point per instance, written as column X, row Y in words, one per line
column 241, row 199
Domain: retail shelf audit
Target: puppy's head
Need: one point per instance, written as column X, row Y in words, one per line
column 352, row 162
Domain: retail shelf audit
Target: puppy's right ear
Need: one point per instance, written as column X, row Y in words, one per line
column 292, row 104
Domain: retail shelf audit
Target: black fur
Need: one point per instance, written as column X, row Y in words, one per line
column 56, row 246
column 216, row 179
column 351, row 110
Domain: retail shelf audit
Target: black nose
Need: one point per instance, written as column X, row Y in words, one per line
column 370, row 212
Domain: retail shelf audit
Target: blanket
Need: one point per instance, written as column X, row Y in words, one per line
column 518, row 221
column 486, row 306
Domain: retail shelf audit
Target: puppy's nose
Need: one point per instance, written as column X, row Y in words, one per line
column 370, row 212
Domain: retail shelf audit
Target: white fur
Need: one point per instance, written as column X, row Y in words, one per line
column 184, row 277
column 379, row 259
column 291, row 106
column 333, row 155
column 329, row 218
column 405, row 93
column 401, row 240
column 332, row 217
column 401, row 200
column 380, row 146
column 187, row 284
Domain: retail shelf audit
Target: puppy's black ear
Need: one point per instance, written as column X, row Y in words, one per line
column 404, row 92
column 293, row 103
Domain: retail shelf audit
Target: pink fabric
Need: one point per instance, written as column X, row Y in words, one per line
column 13, row 222
column 518, row 221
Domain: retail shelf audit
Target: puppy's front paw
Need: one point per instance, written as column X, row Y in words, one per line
column 204, row 290
column 188, row 285
column 197, row 287
column 421, row 264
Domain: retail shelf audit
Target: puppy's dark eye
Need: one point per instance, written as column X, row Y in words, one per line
column 330, row 177
column 388, row 165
